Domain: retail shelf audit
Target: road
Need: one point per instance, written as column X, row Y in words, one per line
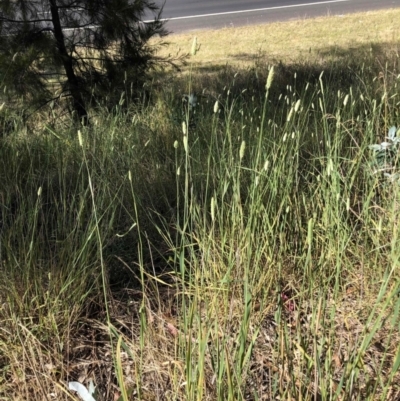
column 187, row 15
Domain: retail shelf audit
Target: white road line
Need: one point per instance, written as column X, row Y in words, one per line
column 253, row 11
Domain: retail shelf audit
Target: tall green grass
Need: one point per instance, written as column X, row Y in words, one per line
column 261, row 248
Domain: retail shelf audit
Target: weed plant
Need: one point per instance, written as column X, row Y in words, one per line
column 251, row 256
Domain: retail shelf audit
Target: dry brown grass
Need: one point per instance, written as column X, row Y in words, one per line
column 292, row 41
column 40, row 369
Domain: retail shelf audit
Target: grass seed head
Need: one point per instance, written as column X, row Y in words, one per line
column 242, row 149
column 270, row 78
column 290, row 115
column 194, row 46
column 80, row 138
column 216, row 107
column 297, row 106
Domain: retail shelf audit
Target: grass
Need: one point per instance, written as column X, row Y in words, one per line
column 315, row 40
column 241, row 249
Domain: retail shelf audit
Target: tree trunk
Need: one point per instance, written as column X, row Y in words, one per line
column 78, row 103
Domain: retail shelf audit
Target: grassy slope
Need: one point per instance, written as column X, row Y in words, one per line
column 293, row 41
column 246, row 251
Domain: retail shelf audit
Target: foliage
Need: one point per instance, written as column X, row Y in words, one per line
column 386, row 156
column 80, row 49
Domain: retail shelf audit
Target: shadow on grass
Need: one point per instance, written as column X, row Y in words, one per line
column 342, row 68
column 49, row 214
column 360, row 68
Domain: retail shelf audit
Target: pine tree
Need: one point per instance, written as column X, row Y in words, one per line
column 79, row 49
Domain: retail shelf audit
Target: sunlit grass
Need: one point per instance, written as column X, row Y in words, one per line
column 309, row 39
column 242, row 248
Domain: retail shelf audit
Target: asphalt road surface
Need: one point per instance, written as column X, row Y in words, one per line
column 187, row 15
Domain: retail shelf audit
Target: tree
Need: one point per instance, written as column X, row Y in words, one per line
column 76, row 48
